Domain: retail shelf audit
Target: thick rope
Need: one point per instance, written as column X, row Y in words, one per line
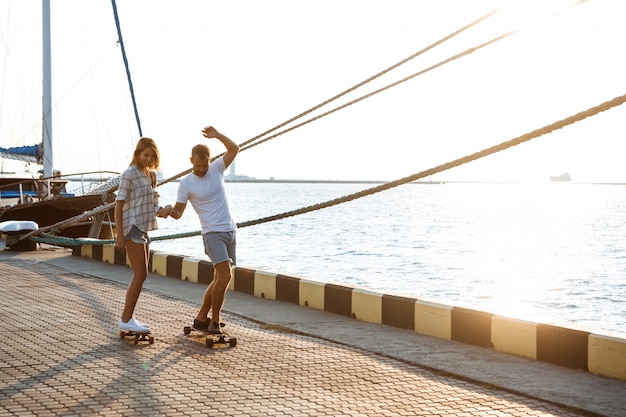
column 383, row 187
column 248, row 144
column 343, row 93
column 67, row 222
column 380, row 90
column 375, row 76
column 254, row 142
column 452, row 164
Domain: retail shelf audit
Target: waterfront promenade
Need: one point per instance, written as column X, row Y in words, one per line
column 61, row 355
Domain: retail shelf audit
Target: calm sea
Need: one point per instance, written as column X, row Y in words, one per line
column 553, row 253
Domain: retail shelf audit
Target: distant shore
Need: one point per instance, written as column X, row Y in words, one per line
column 278, row 181
column 421, row 182
column 300, row 181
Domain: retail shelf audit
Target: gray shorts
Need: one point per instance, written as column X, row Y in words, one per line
column 138, row 236
column 220, row 246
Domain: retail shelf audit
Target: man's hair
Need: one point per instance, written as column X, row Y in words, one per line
column 201, row 151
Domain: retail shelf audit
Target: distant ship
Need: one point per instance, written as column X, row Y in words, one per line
column 561, row 178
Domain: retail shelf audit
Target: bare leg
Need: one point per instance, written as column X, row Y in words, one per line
column 138, row 257
column 203, row 314
column 223, row 274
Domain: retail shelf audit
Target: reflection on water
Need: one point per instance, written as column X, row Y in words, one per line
column 552, row 253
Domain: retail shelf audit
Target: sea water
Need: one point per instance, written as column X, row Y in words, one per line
column 552, row 253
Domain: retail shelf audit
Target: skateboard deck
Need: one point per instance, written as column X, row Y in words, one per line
column 213, row 339
column 138, row 336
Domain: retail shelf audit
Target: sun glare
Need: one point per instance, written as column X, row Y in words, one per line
column 520, row 14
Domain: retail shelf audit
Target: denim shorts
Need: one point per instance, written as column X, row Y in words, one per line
column 138, row 236
column 220, row 246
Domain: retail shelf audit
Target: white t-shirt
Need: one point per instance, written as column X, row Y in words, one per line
column 208, row 198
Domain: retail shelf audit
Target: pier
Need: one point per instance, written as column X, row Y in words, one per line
column 62, row 355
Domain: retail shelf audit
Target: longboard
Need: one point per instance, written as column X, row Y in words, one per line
column 138, row 336
column 213, row 339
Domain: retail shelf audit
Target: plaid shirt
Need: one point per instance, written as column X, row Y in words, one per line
column 141, row 201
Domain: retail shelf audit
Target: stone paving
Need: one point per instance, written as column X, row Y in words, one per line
column 61, row 354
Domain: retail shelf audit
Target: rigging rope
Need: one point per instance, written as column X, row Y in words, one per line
column 452, row 164
column 251, row 143
column 130, row 82
column 383, row 187
column 343, row 93
column 375, row 76
column 254, row 141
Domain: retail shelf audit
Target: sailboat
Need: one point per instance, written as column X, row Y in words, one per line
column 45, row 200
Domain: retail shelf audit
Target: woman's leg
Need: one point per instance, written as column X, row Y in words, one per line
column 138, row 257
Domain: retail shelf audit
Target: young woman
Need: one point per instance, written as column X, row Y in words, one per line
column 137, row 205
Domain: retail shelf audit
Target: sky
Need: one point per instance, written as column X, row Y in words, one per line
column 248, row 66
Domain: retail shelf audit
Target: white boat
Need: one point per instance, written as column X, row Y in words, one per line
column 565, row 177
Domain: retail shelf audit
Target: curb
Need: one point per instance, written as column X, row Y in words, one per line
column 576, row 349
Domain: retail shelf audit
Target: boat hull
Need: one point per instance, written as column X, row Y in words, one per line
column 49, row 212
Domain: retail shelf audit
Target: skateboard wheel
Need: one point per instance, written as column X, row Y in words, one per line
column 122, row 334
column 209, row 342
column 232, row 342
column 187, row 329
column 136, row 339
column 150, row 340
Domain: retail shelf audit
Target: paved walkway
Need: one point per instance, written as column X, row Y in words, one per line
column 60, row 354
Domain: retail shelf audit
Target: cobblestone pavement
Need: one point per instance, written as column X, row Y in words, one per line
column 61, row 354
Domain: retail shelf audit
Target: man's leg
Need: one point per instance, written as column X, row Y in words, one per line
column 203, row 314
column 223, row 274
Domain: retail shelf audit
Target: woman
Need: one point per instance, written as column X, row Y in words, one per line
column 137, row 205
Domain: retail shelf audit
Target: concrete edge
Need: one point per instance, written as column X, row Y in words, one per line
column 598, row 354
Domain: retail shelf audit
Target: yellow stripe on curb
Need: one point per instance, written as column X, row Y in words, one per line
column 514, row 336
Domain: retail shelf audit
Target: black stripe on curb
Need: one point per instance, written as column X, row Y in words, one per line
column 398, row 311
column 555, row 345
column 205, row 272
column 97, row 252
column 338, row 299
column 119, row 257
column 561, row 346
column 174, row 266
column 288, row 289
column 471, row 327
column 244, row 280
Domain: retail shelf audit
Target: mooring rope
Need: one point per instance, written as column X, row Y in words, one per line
column 452, row 164
column 257, row 141
column 253, row 142
column 375, row 76
column 67, row 222
column 383, row 187
column 243, row 146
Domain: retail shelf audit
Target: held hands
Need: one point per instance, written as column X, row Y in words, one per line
column 168, row 211
column 164, row 211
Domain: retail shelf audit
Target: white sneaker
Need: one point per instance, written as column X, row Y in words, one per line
column 133, row 325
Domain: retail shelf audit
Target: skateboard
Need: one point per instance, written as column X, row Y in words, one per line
column 213, row 339
column 138, row 336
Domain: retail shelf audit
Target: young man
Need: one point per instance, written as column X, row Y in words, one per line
column 204, row 189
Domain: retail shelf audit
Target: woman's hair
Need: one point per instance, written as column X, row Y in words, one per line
column 201, row 151
column 143, row 144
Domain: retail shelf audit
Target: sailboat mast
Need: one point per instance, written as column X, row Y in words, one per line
column 47, row 92
column 130, row 82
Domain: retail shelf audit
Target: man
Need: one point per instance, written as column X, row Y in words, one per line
column 204, row 189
